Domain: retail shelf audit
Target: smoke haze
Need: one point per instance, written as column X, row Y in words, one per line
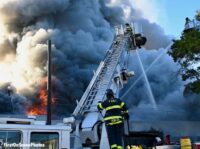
column 81, row 31
column 167, row 88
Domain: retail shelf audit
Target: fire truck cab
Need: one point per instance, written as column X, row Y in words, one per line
column 21, row 133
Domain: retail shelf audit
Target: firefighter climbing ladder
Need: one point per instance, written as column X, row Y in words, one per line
column 104, row 76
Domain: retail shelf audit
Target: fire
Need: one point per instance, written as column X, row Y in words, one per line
column 39, row 107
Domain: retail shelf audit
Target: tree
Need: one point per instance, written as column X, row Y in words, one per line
column 197, row 16
column 186, row 51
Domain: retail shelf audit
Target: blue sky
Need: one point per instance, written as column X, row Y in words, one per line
column 170, row 14
column 176, row 11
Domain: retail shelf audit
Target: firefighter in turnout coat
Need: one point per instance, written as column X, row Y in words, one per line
column 116, row 111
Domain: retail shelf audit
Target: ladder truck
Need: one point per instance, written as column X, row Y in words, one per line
column 112, row 73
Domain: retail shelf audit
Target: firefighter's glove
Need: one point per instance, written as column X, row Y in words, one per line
column 99, row 106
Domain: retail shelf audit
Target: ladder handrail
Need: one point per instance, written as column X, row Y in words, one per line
column 102, row 79
column 81, row 102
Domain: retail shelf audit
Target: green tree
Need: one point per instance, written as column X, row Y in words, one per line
column 186, row 51
column 197, row 16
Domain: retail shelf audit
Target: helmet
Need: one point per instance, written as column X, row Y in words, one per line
column 109, row 92
column 127, row 24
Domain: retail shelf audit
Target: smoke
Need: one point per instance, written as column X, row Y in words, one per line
column 10, row 102
column 81, row 31
column 80, row 35
column 167, row 88
column 118, row 11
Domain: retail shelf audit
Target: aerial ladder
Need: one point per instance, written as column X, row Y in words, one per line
column 112, row 73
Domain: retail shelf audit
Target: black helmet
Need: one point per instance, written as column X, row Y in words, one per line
column 109, row 93
column 127, row 24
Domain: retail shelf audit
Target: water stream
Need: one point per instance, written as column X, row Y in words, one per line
column 146, row 81
column 148, row 68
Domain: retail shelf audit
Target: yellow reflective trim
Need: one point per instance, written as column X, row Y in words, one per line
column 122, row 104
column 125, row 111
column 113, row 107
column 115, row 123
column 129, row 29
column 119, row 147
column 112, row 117
column 113, row 146
column 100, row 105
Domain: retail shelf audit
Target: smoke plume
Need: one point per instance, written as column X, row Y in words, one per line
column 80, row 37
column 81, row 31
column 167, row 88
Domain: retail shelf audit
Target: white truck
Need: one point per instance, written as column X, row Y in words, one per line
column 27, row 133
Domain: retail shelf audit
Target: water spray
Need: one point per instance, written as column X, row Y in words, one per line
column 148, row 68
column 146, row 81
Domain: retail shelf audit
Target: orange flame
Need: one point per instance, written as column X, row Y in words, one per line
column 39, row 107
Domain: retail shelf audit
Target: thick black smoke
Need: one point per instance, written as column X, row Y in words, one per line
column 167, row 88
column 11, row 102
column 81, row 32
column 114, row 14
column 80, row 35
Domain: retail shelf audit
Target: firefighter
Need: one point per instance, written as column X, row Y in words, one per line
column 116, row 112
column 187, row 23
column 128, row 28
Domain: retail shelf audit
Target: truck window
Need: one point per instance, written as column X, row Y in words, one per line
column 48, row 139
column 8, row 138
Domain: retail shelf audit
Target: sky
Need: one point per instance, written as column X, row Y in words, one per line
column 170, row 14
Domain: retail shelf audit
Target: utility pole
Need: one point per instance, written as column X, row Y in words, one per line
column 48, row 122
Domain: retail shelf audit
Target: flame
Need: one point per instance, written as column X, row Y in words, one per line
column 39, row 107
